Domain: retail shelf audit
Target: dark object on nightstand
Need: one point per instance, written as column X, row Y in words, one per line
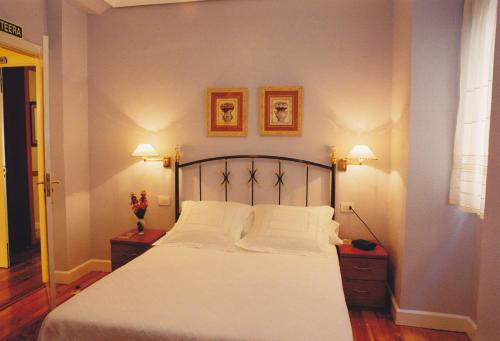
column 364, row 275
column 129, row 245
column 363, row 244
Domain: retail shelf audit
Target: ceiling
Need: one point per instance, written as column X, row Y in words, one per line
column 127, row 3
column 101, row 6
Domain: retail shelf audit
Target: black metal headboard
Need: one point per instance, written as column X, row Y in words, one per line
column 252, row 175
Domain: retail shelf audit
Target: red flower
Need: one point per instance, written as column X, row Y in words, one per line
column 140, row 205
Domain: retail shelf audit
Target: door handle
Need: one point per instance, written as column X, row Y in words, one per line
column 54, row 182
column 48, row 184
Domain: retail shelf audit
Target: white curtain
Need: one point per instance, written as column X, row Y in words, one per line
column 470, row 157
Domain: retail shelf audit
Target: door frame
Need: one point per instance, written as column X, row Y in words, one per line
column 20, row 45
column 4, row 214
column 41, row 53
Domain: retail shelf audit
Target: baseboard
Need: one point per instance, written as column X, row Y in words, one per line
column 66, row 277
column 470, row 328
column 432, row 320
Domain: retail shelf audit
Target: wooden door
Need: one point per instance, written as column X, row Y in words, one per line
column 4, row 231
column 18, row 59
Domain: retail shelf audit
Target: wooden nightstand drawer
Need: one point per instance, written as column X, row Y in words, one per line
column 364, row 293
column 122, row 254
column 363, row 268
column 128, row 250
column 364, row 275
column 128, row 246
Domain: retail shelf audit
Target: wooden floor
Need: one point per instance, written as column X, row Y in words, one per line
column 23, row 277
column 21, row 321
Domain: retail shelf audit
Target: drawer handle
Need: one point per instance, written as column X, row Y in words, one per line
column 359, row 291
column 362, row 269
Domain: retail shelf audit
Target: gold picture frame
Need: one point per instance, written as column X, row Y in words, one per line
column 227, row 112
column 281, row 110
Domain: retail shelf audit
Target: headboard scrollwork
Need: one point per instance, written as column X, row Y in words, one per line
column 253, row 174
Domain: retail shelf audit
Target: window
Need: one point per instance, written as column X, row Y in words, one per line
column 470, row 158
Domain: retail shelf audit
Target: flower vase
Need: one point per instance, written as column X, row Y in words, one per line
column 281, row 115
column 141, row 224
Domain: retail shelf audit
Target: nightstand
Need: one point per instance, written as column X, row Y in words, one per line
column 129, row 245
column 364, row 276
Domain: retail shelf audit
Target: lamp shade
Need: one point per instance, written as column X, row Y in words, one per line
column 145, row 150
column 361, row 152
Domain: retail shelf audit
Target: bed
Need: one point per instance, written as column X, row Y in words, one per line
column 203, row 281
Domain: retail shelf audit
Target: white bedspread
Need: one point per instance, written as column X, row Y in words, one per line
column 178, row 293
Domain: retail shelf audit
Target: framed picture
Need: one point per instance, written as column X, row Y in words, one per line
column 227, row 112
column 34, row 141
column 281, row 110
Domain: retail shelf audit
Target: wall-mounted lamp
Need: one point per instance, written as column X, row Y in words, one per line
column 357, row 156
column 148, row 153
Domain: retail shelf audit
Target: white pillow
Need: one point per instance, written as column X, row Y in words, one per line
column 247, row 225
column 289, row 229
column 333, row 233
column 211, row 224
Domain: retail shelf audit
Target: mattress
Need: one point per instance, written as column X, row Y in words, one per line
column 180, row 293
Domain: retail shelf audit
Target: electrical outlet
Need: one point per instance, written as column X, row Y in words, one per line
column 345, row 206
column 163, row 200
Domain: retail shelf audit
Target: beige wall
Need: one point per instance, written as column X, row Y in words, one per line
column 439, row 250
column 399, row 139
column 149, row 68
column 76, row 135
column 54, row 28
column 489, row 286
column 29, row 14
column 148, row 86
column 67, row 28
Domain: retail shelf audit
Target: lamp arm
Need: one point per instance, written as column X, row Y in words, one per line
column 366, row 225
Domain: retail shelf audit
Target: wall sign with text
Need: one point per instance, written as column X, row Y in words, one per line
column 11, row 28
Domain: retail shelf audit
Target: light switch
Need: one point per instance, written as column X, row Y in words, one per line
column 163, row 200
